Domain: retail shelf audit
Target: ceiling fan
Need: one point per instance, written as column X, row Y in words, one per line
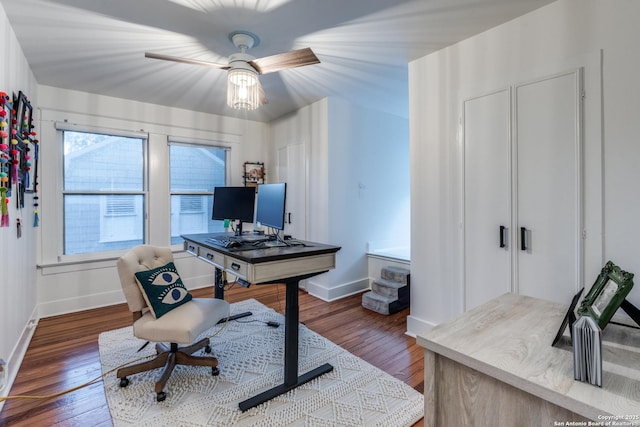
column 243, row 87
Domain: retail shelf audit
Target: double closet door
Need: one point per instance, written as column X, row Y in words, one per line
column 522, row 191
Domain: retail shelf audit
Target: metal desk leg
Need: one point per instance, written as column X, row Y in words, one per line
column 291, row 378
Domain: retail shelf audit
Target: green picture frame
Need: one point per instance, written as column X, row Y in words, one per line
column 607, row 294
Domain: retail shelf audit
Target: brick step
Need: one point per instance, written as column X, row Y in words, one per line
column 383, row 304
column 390, row 289
column 395, row 274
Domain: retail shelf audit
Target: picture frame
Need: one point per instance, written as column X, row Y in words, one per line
column 607, row 294
column 253, row 174
column 25, row 118
column 30, row 167
column 26, row 146
column 19, row 104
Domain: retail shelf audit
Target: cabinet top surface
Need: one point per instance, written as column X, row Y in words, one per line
column 256, row 255
column 509, row 338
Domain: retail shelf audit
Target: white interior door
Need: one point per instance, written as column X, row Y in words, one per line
column 487, row 189
column 547, row 131
column 291, row 169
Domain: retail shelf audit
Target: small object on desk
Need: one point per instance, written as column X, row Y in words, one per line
column 275, row 244
column 273, row 324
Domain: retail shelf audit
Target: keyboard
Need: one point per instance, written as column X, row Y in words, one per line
column 225, row 243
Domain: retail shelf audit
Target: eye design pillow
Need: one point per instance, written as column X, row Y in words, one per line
column 162, row 289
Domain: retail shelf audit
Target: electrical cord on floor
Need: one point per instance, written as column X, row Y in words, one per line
column 99, row 377
column 271, row 323
column 61, row 393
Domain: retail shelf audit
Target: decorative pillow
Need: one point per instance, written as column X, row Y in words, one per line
column 162, row 289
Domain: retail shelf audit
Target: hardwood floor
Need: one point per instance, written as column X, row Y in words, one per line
column 64, row 353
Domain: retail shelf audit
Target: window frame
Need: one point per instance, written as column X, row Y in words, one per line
column 61, row 128
column 194, row 143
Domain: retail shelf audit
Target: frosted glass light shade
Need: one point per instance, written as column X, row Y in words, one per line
column 243, row 90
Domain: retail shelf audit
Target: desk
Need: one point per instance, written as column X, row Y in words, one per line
column 289, row 265
column 495, row 366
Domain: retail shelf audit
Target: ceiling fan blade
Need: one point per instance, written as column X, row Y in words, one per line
column 263, row 97
column 185, row 60
column 282, row 61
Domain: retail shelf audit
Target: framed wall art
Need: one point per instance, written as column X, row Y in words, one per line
column 253, row 174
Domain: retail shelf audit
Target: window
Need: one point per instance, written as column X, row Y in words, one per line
column 103, row 192
column 195, row 171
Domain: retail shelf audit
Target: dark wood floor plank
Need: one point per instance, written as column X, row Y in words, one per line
column 63, row 353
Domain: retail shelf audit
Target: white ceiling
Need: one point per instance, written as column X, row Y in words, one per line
column 364, row 46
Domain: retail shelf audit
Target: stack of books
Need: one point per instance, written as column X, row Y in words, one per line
column 587, row 350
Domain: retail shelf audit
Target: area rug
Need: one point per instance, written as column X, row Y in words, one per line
column 250, row 356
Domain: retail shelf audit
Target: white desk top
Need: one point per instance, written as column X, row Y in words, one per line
column 509, row 338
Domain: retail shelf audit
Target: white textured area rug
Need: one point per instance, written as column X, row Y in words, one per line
column 250, row 357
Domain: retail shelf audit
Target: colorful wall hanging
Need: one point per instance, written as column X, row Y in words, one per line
column 5, row 159
column 18, row 154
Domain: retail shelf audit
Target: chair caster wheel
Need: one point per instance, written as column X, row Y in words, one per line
column 161, row 396
column 215, row 371
column 207, row 349
column 124, row 381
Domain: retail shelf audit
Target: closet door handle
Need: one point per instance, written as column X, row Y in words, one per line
column 502, row 228
column 523, row 235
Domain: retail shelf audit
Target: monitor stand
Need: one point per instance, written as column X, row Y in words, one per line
column 238, row 231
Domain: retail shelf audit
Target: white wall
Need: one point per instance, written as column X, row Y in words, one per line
column 65, row 285
column 358, row 182
column 17, row 255
column 565, row 34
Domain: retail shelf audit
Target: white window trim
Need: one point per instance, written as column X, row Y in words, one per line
column 61, row 127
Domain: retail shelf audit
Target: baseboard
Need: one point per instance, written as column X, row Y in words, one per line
column 87, row 302
column 416, row 326
column 337, row 292
column 20, row 349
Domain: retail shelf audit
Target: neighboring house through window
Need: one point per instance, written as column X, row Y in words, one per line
column 104, row 192
column 195, row 171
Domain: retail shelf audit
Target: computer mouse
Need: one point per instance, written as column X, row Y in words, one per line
column 234, row 244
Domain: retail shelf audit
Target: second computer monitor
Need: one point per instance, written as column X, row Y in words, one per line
column 270, row 207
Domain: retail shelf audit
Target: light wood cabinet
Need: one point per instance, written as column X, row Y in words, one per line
column 495, row 366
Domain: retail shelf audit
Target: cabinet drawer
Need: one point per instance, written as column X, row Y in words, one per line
column 236, row 267
column 211, row 257
column 192, row 248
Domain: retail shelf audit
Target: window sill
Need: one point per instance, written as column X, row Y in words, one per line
column 98, row 262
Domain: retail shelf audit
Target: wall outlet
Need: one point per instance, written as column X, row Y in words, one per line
column 3, row 373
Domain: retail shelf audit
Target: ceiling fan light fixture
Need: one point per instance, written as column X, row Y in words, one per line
column 243, row 89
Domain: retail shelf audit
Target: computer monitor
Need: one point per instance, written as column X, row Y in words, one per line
column 271, row 205
column 234, row 203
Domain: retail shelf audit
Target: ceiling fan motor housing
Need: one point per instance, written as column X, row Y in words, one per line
column 241, row 61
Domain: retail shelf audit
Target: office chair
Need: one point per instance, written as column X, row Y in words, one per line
column 179, row 322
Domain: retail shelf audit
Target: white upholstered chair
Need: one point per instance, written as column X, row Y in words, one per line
column 180, row 325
